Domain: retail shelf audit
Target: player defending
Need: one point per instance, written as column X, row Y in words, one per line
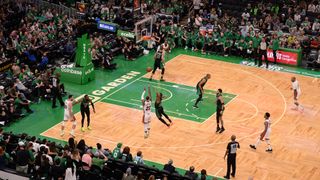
column 159, row 62
column 159, row 110
column 199, row 88
column 265, row 135
column 85, row 110
column 146, row 119
column 220, row 109
column 296, row 93
column 68, row 115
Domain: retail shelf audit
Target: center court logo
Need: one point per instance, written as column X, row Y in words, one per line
column 115, row 83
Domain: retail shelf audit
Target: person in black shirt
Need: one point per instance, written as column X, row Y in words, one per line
column 220, row 109
column 85, row 110
column 159, row 110
column 23, row 158
column 159, row 62
column 199, row 88
column 231, row 152
column 56, row 92
column 169, row 167
column 191, row 174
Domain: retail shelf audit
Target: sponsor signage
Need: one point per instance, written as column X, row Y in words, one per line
column 125, row 34
column 284, row 57
column 107, row 26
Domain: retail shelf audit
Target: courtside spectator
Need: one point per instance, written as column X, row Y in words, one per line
column 169, row 167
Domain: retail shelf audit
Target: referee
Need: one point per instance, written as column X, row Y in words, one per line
column 232, row 153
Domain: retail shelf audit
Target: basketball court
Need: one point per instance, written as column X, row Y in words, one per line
column 248, row 92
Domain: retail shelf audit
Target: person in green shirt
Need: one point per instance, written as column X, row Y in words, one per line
column 275, row 47
column 188, row 39
column 179, row 36
column 21, row 103
column 227, row 47
column 220, row 43
column 194, row 39
column 255, row 44
column 209, row 43
column 99, row 161
column 242, row 48
column 116, row 153
column 200, row 43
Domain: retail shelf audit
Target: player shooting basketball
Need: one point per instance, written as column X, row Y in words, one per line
column 200, row 90
column 159, row 62
column 159, row 110
column 146, row 119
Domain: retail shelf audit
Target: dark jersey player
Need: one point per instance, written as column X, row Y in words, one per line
column 85, row 110
column 220, row 109
column 200, row 90
column 158, row 62
column 159, row 110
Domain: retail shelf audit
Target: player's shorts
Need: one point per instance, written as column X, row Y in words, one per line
column 219, row 113
column 199, row 91
column 296, row 95
column 66, row 116
column 146, row 118
column 267, row 135
column 158, row 65
column 146, row 126
column 158, row 113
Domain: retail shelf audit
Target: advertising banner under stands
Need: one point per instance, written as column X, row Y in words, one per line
column 125, row 34
column 286, row 56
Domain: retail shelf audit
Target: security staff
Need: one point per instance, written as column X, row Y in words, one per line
column 231, row 152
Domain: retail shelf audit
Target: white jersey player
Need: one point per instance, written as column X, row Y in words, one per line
column 296, row 93
column 68, row 115
column 265, row 135
column 146, row 119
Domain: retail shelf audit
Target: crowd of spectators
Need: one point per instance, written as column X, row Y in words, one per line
column 42, row 159
column 226, row 28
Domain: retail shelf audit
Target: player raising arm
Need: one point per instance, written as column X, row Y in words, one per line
column 146, row 105
column 68, row 115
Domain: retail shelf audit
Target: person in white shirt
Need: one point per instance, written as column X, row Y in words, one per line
column 198, row 20
column 71, row 172
column 138, row 159
column 316, row 25
column 265, row 135
column 296, row 94
column 146, row 119
column 311, row 7
column 68, row 115
column 263, row 52
column 245, row 15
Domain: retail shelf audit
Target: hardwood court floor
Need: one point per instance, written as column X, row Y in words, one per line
column 295, row 136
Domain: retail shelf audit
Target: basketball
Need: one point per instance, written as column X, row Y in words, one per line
column 149, row 69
